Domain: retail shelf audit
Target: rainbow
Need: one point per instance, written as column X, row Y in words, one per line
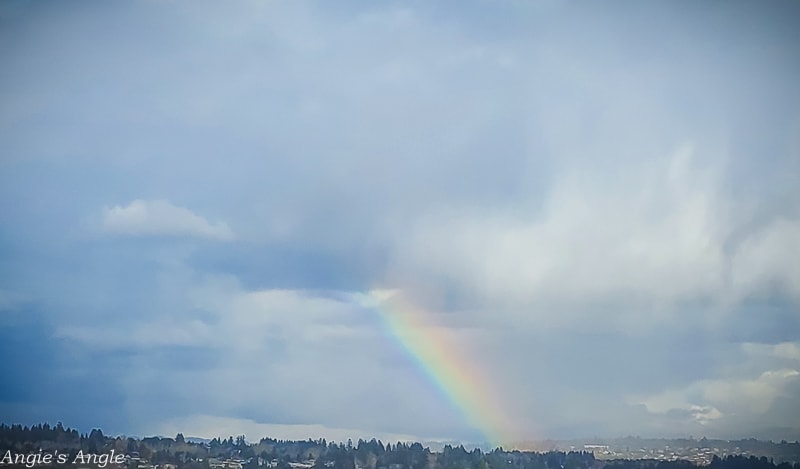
column 433, row 351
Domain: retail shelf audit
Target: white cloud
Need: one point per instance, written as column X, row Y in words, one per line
column 704, row 414
column 714, row 399
column 161, row 218
column 770, row 259
column 239, row 321
column 786, row 350
column 314, row 355
column 651, row 237
column 253, row 316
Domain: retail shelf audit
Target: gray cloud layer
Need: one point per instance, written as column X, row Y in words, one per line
column 601, row 204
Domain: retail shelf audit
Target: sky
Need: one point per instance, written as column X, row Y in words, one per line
column 473, row 221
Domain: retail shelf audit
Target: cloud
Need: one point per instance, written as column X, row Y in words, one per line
column 262, row 354
column 574, row 201
column 708, row 401
column 788, row 350
column 657, row 237
column 161, row 218
column 150, row 334
column 765, row 260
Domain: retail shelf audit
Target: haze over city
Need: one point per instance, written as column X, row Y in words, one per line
column 421, row 221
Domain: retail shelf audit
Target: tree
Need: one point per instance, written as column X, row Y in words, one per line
column 96, row 440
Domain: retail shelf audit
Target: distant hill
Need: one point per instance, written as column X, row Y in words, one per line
column 198, row 440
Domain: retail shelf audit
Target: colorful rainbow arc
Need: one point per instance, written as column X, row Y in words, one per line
column 434, row 353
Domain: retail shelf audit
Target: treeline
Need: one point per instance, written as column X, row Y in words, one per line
column 46, row 437
column 321, row 454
